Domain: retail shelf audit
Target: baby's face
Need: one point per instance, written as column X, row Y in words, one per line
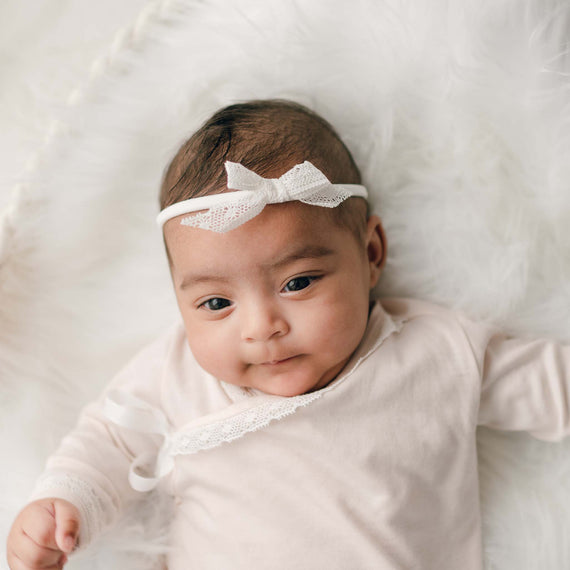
column 278, row 304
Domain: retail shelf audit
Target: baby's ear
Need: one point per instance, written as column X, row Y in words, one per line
column 375, row 248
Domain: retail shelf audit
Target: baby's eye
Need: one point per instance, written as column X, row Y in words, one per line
column 298, row 283
column 216, row 304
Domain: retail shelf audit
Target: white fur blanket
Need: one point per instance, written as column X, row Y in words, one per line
column 458, row 114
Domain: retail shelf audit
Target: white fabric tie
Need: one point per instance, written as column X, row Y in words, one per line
column 228, row 210
column 128, row 411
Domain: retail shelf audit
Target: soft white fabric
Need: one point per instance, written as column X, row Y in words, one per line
column 226, row 211
column 376, row 470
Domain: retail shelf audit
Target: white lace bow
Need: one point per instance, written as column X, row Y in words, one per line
column 128, row 411
column 228, row 210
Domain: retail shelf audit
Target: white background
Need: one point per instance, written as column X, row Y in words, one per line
column 46, row 50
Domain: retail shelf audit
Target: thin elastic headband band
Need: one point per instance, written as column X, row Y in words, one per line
column 228, row 210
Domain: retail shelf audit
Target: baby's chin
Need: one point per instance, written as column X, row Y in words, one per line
column 288, row 386
column 291, row 377
column 286, row 392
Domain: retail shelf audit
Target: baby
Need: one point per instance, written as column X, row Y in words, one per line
column 296, row 422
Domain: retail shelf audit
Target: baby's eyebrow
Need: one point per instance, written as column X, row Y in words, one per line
column 192, row 279
column 305, row 252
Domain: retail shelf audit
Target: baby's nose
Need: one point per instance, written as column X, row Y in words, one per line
column 263, row 321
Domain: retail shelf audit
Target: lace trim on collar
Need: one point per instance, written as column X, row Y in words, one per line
column 225, row 430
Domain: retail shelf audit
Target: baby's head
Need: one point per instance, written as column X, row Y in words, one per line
column 268, row 137
column 277, row 299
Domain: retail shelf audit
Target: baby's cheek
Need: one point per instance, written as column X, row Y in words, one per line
column 343, row 330
column 214, row 353
column 203, row 347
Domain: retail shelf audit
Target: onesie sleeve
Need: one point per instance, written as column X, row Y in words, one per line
column 526, row 386
column 90, row 467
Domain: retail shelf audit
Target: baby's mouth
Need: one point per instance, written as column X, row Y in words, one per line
column 278, row 361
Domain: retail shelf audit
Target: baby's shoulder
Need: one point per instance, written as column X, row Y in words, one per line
column 165, row 373
column 408, row 308
column 169, row 343
column 438, row 320
column 147, row 364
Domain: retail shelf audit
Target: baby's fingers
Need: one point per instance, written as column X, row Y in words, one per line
column 66, row 525
column 17, row 564
column 26, row 554
column 39, row 528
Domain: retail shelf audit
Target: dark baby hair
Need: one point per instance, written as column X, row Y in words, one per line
column 269, row 137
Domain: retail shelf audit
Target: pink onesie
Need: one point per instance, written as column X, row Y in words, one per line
column 377, row 470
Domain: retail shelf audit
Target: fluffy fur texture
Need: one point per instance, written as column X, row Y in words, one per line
column 458, row 114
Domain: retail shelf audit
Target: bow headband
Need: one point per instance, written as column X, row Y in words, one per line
column 228, row 210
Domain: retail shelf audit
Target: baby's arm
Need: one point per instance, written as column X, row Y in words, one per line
column 90, row 468
column 526, row 386
column 42, row 535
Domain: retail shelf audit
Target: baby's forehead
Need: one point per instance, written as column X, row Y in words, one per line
column 280, row 229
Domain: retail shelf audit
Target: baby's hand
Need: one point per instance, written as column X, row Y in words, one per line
column 42, row 535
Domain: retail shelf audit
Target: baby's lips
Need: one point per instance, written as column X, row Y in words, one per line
column 277, row 360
